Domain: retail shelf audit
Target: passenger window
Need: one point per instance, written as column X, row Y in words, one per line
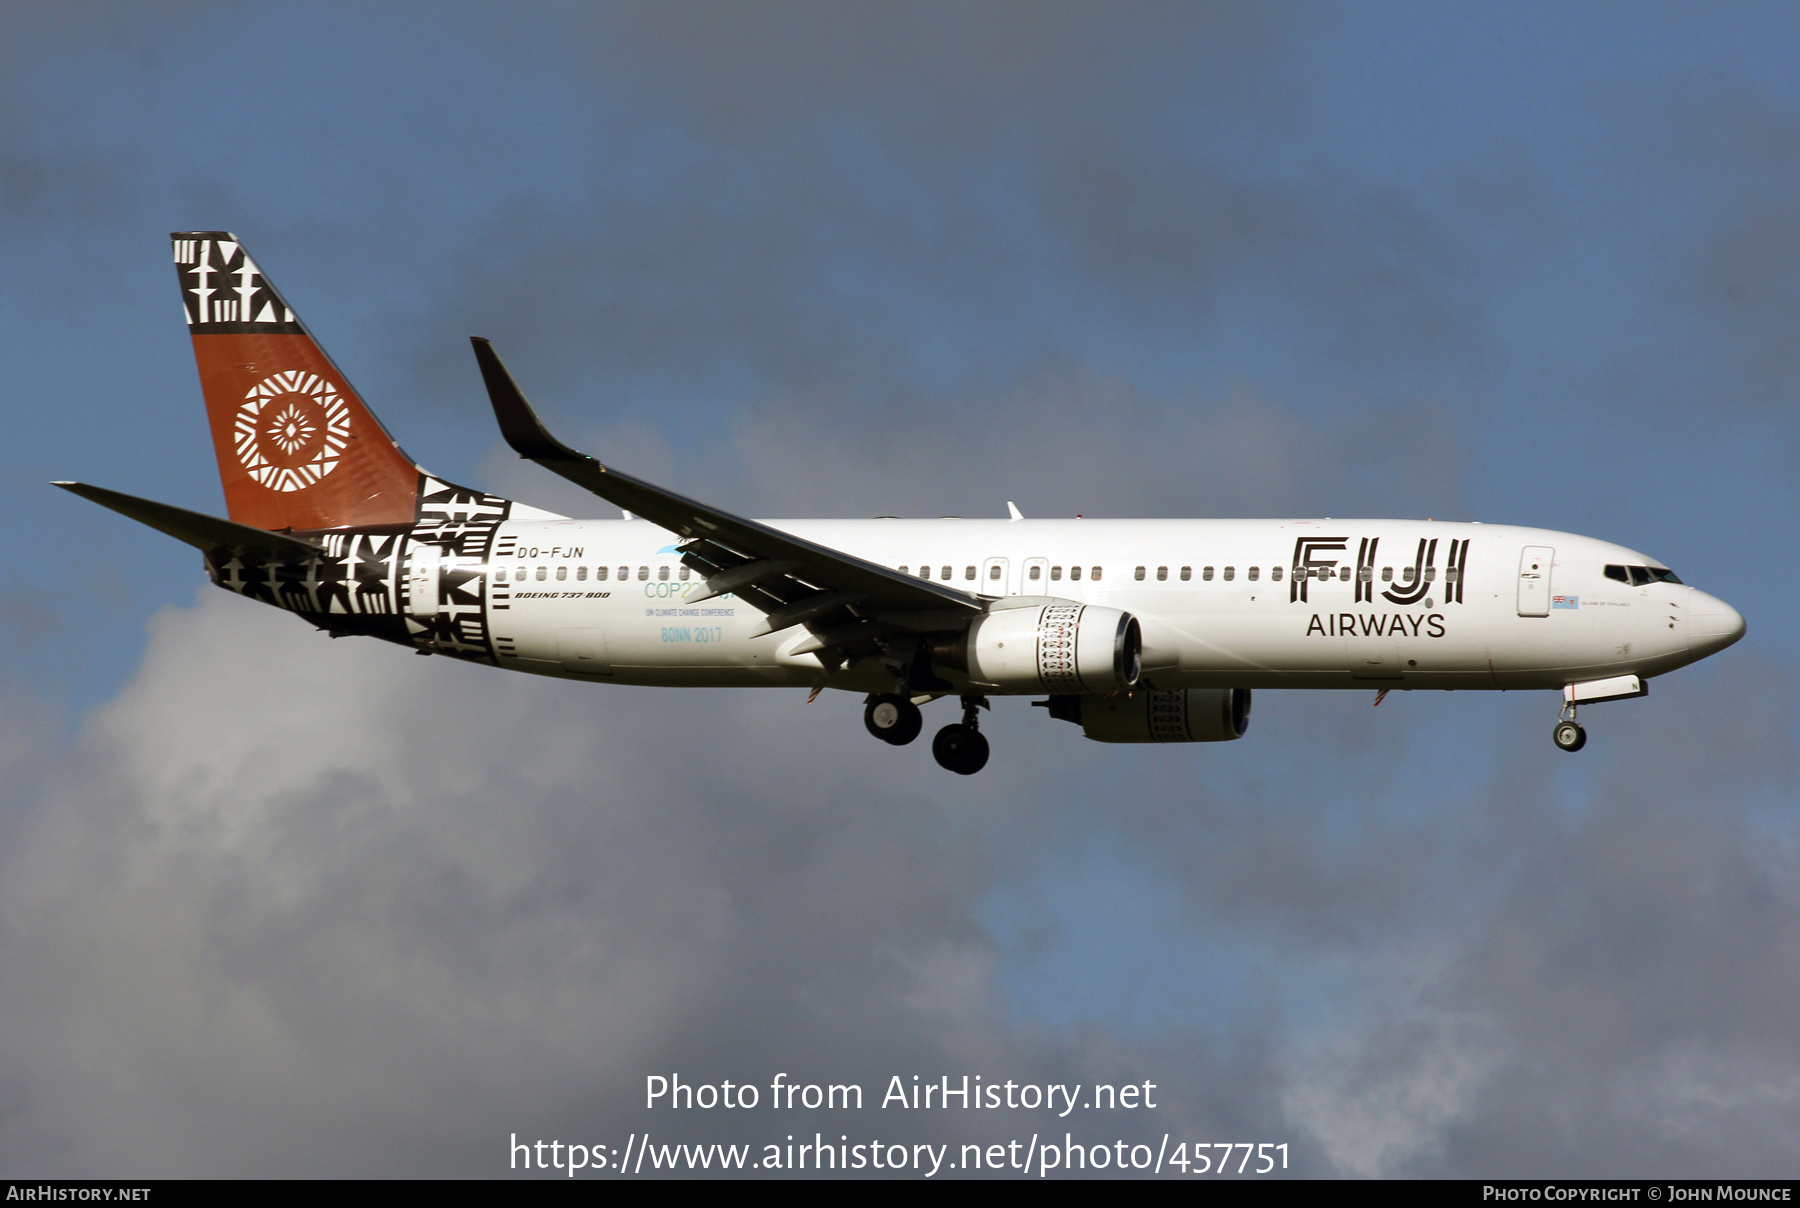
column 682, row 574
column 968, row 572
column 1431, row 574
column 1206, row 574
column 1408, row 573
column 1094, row 573
column 944, row 573
column 1055, row 573
column 1387, row 574
column 1617, row 572
column 1344, row 574
column 1253, row 573
column 1365, row 574
column 643, row 573
column 1138, row 574
column 662, row 573
column 600, row 573
column 500, row 575
column 1162, row 572
column 581, row 572
column 903, row 570
column 1275, row 573
column 1034, row 573
column 1074, row 572
column 994, row 571
column 1187, row 572
column 1230, row 573
column 543, row 573
column 562, row 573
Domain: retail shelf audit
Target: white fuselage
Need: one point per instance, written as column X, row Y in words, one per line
column 1218, row 601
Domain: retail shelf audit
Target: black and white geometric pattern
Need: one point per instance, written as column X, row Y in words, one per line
column 454, row 533
column 422, row 585
column 224, row 291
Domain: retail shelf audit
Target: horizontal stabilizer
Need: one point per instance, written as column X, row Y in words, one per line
column 199, row 530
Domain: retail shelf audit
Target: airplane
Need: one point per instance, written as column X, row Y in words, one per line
column 1137, row 631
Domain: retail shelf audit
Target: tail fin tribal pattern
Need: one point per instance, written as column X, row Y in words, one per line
column 297, row 448
column 400, row 551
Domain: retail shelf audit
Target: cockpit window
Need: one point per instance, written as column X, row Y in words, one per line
column 1638, row 576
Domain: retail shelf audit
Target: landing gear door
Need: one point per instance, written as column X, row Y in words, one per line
column 993, row 578
column 1534, row 580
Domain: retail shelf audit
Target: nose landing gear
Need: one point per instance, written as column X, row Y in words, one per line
column 961, row 748
column 1568, row 733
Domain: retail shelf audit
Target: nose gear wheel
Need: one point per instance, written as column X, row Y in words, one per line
column 1569, row 735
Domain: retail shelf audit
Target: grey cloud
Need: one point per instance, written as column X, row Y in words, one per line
column 1620, row 1009
column 302, row 906
column 292, row 905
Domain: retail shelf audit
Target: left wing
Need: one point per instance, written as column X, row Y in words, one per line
column 851, row 606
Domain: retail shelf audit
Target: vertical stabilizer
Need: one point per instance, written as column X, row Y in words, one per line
column 297, row 448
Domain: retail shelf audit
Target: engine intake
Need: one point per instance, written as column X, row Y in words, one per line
column 1055, row 648
column 1146, row 715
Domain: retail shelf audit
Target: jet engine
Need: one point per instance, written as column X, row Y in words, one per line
column 1056, row 648
column 1146, row 715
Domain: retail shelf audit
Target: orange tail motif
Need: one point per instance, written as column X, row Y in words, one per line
column 297, row 448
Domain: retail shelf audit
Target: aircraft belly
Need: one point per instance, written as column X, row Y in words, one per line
column 626, row 638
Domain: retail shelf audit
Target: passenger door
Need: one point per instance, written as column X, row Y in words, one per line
column 1534, row 580
column 423, row 562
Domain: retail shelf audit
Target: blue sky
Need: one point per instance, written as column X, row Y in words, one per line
column 1529, row 263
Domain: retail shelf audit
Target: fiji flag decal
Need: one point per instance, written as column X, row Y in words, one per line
column 1565, row 601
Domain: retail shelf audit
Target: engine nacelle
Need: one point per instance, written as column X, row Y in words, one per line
column 1146, row 715
column 1055, row 648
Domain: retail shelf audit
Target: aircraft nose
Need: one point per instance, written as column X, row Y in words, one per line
column 1712, row 624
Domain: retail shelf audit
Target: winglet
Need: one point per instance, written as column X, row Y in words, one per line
column 1013, row 512
column 519, row 424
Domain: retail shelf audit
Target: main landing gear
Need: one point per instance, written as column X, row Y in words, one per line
column 1568, row 733
column 893, row 718
column 960, row 748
